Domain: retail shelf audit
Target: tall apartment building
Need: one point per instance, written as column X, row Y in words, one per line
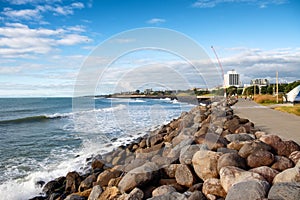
column 232, row 78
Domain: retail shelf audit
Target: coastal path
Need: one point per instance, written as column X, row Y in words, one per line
column 285, row 125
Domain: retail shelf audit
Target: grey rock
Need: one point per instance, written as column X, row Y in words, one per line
column 285, row 191
column 248, row 190
column 239, row 137
column 95, row 193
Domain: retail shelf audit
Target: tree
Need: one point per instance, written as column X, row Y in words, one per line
column 232, row 90
column 137, row 91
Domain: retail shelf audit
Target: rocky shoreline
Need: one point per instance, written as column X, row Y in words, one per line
column 207, row 153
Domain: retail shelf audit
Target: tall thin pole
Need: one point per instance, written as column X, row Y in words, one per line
column 277, row 86
column 221, row 68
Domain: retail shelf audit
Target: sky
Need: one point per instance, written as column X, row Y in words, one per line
column 44, row 44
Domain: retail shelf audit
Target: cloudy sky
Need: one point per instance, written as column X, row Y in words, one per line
column 45, row 43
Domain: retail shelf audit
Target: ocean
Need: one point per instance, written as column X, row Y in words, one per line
column 41, row 139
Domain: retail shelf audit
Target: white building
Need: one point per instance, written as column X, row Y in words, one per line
column 232, row 78
column 260, row 82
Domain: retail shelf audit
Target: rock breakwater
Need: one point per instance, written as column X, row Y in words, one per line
column 207, row 153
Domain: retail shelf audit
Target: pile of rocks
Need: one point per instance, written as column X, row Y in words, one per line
column 207, row 153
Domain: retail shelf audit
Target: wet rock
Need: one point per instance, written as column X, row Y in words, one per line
column 282, row 163
column 97, row 163
column 288, row 175
column 109, row 194
column 231, row 175
column 73, row 180
column 295, row 156
column 249, row 148
column 184, row 176
column 267, row 172
column 135, row 194
column 95, row 193
column 285, row 191
column 239, row 137
column 51, row 187
column 260, row 158
column 231, row 159
column 164, row 189
column 87, row 183
column 248, row 190
column 138, row 177
column 213, row 186
column 197, row 195
column 282, row 148
column 205, row 164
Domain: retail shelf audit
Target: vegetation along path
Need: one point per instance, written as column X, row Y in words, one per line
column 269, row 120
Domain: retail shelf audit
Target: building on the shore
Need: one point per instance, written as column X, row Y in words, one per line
column 260, row 82
column 232, row 78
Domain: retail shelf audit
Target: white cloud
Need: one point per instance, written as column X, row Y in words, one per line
column 40, row 7
column 26, row 14
column 156, row 21
column 17, row 39
column 260, row 3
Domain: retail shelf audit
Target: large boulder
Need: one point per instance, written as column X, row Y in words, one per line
column 135, row 194
column 110, row 193
column 184, row 176
column 260, row 158
column 248, row 190
column 205, row 164
column 138, row 177
column 239, row 137
column 213, row 186
column 282, row 163
column 295, row 156
column 251, row 147
column 170, row 170
column 285, row 191
column 288, row 175
column 267, row 172
column 231, row 159
column 87, row 183
column 282, row 148
column 187, row 153
column 104, row 178
column 95, row 193
column 231, row 175
column 73, row 180
column 212, row 140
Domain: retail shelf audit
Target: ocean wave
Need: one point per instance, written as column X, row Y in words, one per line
column 46, row 117
column 31, row 119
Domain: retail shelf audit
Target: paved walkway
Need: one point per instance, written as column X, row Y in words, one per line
column 285, row 125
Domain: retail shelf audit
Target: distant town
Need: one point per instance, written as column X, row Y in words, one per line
column 232, row 86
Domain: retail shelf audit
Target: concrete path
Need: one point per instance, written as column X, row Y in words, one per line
column 285, row 125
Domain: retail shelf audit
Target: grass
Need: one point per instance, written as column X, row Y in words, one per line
column 267, row 99
column 290, row 109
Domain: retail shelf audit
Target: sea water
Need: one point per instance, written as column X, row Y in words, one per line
column 40, row 139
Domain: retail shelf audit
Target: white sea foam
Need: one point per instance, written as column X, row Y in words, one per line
column 95, row 128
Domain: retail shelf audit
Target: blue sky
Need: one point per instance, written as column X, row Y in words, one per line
column 43, row 43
